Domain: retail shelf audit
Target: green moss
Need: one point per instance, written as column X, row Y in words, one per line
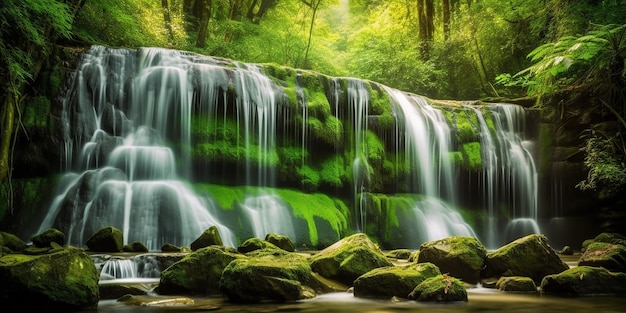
column 546, row 147
column 328, row 130
column 379, row 100
column 224, row 196
column 471, row 155
column 310, row 178
column 37, row 113
column 466, row 125
column 332, row 173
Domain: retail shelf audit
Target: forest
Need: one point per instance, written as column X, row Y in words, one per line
column 443, row 49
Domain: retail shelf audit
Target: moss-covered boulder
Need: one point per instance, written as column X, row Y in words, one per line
column 209, row 237
column 441, row 288
column 197, row 273
column 281, row 241
column 267, row 275
column 401, row 254
column 460, row 256
column 107, row 239
column 393, row 281
column 348, row 259
column 529, row 256
column 585, row 281
column 65, row 280
column 168, row 247
column 253, row 244
column 12, row 242
column 48, row 236
column 135, row 246
column 516, row 284
column 607, row 255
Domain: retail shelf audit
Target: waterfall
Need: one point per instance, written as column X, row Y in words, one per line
column 142, row 127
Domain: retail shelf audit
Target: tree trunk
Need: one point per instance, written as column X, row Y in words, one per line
column 446, row 20
column 425, row 12
column 314, row 5
column 168, row 20
column 7, row 118
column 204, row 23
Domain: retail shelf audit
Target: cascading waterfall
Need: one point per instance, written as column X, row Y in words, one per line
column 132, row 119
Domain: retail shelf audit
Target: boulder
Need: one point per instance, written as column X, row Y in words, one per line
column 12, row 242
column 516, row 284
column 267, row 275
column 48, row 236
column 585, row 281
column 441, row 288
column 107, row 239
column 393, row 281
column 607, row 255
column 197, row 273
column 65, row 280
column 461, row 257
column 281, row 241
column 168, row 247
column 135, row 246
column 209, row 237
column 529, row 256
column 253, row 244
column 348, row 258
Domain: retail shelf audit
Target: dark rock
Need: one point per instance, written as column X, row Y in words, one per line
column 49, row 235
column 585, row 281
column 65, row 280
column 516, row 284
column 12, row 242
column 393, row 281
column 267, row 275
column 567, row 250
column 530, row 256
column 607, row 255
column 281, row 241
column 348, row 259
column 401, row 254
column 441, row 288
column 135, row 246
column 107, row 239
column 168, row 247
column 114, row 291
column 210, row 237
column 197, row 273
column 461, row 257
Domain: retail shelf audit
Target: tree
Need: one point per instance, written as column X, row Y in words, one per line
column 426, row 13
column 204, row 23
column 314, row 5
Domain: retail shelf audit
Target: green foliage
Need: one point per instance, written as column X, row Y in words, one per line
column 24, row 28
column 605, row 159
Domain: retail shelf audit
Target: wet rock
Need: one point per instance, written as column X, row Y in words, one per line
column 516, row 284
column 585, row 281
column 135, row 246
column 393, row 281
column 349, row 258
column 461, row 257
column 441, row 288
column 607, row 255
column 281, row 241
column 210, row 237
column 12, row 242
column 168, row 247
column 140, row 300
column 529, row 256
column 197, row 273
column 253, row 244
column 114, row 291
column 567, row 250
column 107, row 239
column 267, row 275
column 65, row 280
column 49, row 235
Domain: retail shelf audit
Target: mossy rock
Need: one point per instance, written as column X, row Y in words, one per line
column 48, row 236
column 267, row 275
column 460, row 256
column 401, row 254
column 516, row 284
column 607, row 255
column 12, row 242
column 281, row 241
column 585, row 281
column 135, row 246
column 253, row 244
column 197, row 273
column 107, row 239
column 349, row 258
column 441, row 288
column 529, row 256
column 65, row 280
column 393, row 281
column 209, row 237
